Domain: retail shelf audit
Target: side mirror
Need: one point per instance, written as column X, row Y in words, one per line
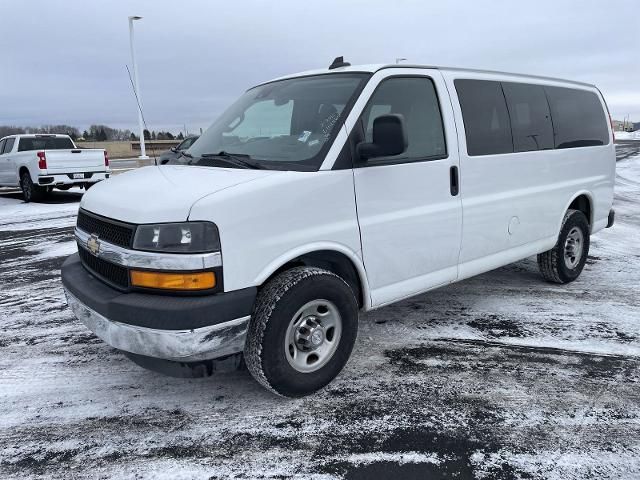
column 389, row 138
column 174, row 149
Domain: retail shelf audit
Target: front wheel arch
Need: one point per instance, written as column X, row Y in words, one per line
column 334, row 258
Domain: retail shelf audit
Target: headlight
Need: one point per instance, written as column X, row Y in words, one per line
column 185, row 237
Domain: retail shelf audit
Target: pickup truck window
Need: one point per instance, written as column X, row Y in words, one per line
column 45, row 143
column 286, row 125
column 8, row 146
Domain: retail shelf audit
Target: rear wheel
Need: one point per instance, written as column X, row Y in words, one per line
column 30, row 191
column 302, row 331
column 565, row 261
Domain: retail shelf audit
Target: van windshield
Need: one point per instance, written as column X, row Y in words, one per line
column 285, row 125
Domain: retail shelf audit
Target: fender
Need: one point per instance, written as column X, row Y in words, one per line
column 290, row 255
column 586, row 193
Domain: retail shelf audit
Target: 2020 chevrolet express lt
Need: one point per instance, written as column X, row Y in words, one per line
column 321, row 194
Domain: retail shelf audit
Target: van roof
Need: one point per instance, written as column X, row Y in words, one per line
column 372, row 68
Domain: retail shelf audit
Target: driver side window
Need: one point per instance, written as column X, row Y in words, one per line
column 416, row 100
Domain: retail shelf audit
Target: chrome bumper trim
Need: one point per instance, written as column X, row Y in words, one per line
column 204, row 343
column 160, row 261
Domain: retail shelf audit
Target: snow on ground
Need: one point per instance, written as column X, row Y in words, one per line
column 499, row 376
column 628, row 135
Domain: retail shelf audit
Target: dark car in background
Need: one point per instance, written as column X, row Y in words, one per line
column 175, row 151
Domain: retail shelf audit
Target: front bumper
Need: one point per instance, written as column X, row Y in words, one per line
column 203, row 343
column 57, row 179
column 179, row 328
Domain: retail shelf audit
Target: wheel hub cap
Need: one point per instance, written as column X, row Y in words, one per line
column 313, row 336
column 309, row 334
column 573, row 247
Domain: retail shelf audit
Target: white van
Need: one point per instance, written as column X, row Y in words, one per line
column 321, row 194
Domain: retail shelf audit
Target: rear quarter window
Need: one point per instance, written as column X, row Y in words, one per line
column 485, row 115
column 530, row 117
column 578, row 118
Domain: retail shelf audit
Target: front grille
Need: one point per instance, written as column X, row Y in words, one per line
column 110, row 272
column 112, row 231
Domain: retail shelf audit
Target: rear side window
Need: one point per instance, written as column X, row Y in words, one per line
column 2, row 145
column 531, row 125
column 416, row 100
column 485, row 116
column 8, row 146
column 578, row 118
column 44, row 143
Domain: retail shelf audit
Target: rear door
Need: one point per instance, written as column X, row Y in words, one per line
column 7, row 169
column 409, row 215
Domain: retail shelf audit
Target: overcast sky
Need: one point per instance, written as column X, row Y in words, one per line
column 64, row 61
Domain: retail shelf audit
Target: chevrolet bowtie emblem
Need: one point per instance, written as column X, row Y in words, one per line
column 93, row 244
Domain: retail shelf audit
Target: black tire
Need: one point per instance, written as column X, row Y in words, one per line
column 275, row 308
column 553, row 265
column 30, row 191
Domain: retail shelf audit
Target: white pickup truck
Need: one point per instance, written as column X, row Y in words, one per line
column 40, row 163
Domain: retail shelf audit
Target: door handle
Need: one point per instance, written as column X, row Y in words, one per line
column 454, row 183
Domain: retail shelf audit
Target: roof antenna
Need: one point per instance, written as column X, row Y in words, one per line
column 338, row 62
column 398, row 60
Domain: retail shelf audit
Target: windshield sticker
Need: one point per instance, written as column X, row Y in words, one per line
column 304, row 136
column 314, row 142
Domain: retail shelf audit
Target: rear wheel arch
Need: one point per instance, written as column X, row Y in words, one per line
column 584, row 204
column 581, row 201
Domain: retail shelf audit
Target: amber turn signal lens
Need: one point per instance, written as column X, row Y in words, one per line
column 173, row 281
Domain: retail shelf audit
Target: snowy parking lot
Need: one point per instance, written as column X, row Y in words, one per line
column 499, row 376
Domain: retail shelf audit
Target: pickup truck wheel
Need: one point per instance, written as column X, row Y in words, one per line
column 302, row 331
column 565, row 261
column 30, row 191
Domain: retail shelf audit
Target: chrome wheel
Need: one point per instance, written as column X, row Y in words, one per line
column 573, row 246
column 313, row 336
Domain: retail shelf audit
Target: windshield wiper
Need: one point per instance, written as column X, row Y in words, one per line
column 237, row 159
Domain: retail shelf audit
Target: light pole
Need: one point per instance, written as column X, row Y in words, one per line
column 136, row 84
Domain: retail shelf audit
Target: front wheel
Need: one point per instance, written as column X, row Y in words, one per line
column 30, row 191
column 565, row 261
column 302, row 331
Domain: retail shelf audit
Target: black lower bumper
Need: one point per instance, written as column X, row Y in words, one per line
column 155, row 311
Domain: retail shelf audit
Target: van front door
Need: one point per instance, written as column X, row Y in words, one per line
column 409, row 209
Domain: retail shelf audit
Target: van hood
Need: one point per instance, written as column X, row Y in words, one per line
column 163, row 193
